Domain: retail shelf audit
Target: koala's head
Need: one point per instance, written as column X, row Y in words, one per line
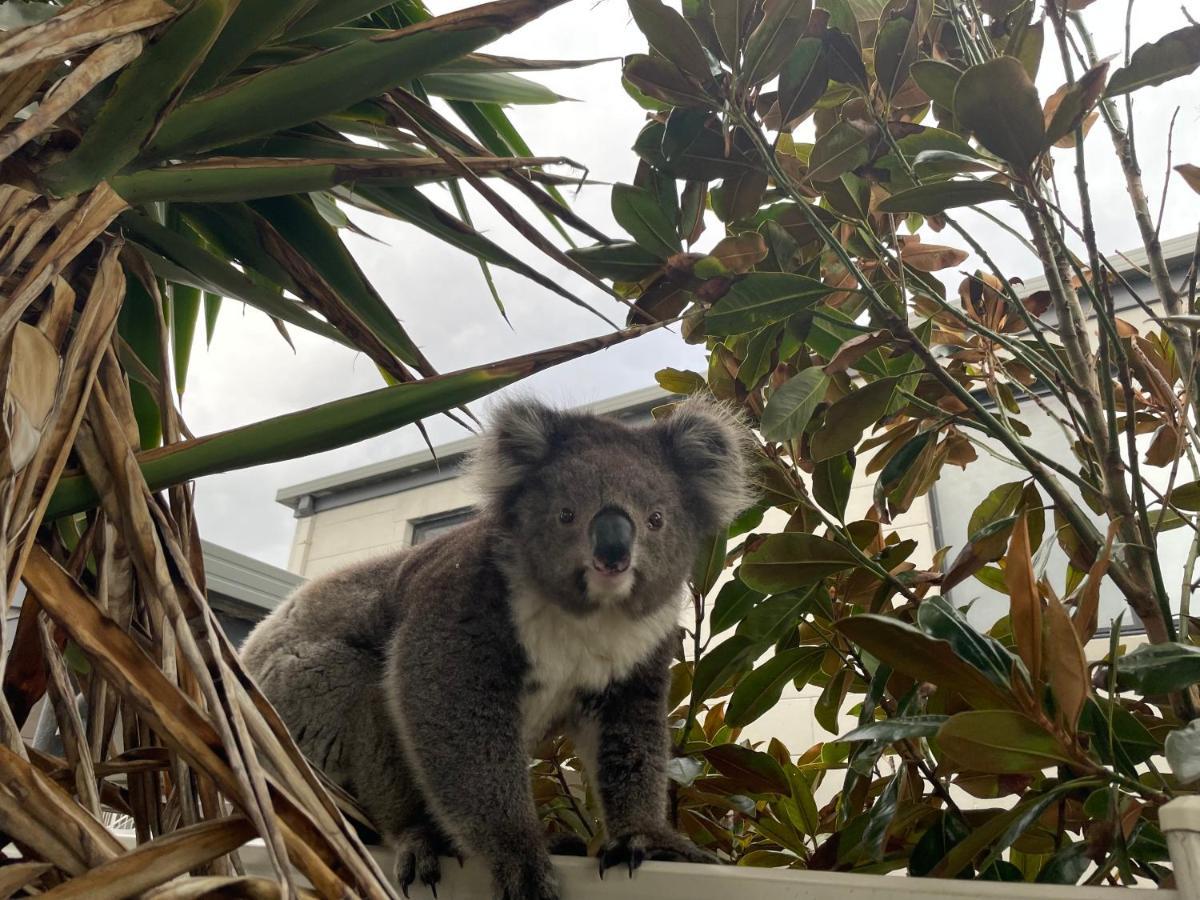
column 598, row 513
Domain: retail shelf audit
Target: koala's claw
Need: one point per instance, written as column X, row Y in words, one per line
column 417, row 851
column 635, row 849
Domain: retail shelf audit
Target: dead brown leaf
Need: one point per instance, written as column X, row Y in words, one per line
column 1025, row 602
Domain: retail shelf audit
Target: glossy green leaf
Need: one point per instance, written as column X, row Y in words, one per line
column 831, row 482
column 670, row 35
column 1159, row 668
column 842, row 148
column 938, row 79
column 803, row 80
column 639, row 213
column 664, row 81
column 758, row 692
column 622, row 261
column 782, row 25
column 790, row 407
column 914, row 653
column 719, row 664
column 999, row 742
column 1171, row 56
column 185, row 313
column 998, row 101
column 762, row 298
column 252, row 24
column 897, row 729
column 848, row 418
column 931, row 199
column 793, row 559
column 754, row 772
column 775, row 617
column 734, row 601
column 730, row 24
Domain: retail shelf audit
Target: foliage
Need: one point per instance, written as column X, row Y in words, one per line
column 1002, row 754
column 160, row 159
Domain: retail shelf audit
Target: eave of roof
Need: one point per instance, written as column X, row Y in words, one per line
column 448, row 455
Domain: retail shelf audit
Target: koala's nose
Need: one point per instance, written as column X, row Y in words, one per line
column 612, row 540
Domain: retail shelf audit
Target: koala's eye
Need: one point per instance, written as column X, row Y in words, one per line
column 566, row 515
column 655, row 521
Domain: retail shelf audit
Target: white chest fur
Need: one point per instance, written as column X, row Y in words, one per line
column 569, row 654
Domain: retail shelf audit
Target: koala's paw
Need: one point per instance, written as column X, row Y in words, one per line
column 566, row 844
column 417, row 852
column 635, row 848
column 525, row 879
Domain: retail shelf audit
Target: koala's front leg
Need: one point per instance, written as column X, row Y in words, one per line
column 462, row 737
column 629, row 750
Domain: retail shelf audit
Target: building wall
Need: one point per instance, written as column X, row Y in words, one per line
column 331, row 538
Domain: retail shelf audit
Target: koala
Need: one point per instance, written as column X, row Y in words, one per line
column 419, row 681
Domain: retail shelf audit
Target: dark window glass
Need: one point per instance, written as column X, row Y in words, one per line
column 431, row 526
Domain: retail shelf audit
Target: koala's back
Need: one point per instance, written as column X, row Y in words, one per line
column 321, row 660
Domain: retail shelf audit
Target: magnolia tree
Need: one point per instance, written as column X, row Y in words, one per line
column 998, row 753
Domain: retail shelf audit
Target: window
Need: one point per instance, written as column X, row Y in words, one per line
column 430, row 527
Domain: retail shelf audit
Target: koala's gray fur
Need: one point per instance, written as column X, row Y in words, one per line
column 419, row 680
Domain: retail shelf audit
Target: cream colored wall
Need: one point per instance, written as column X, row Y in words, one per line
column 332, row 538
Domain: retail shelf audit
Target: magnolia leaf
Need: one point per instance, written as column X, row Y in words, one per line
column 783, row 22
column 791, row 406
column 855, row 349
column 1171, row 56
column 1159, row 668
column 937, row 79
column 756, row 773
column 733, row 602
column 669, row 34
column 848, row 418
column 998, row 101
column 761, row 298
column 622, row 261
column 1069, row 106
column 639, row 213
column 803, row 80
column 831, row 482
column 911, row 652
column 662, row 80
column 734, row 255
column 1001, row 742
column 1067, row 665
column 983, row 547
column 793, row 559
column 1025, row 602
column 842, row 148
column 931, row 199
column 759, row 691
column 715, row 668
column 897, row 729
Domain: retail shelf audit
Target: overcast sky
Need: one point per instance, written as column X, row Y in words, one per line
column 250, row 373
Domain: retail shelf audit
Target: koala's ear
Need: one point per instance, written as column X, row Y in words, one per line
column 710, row 447
column 521, row 437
